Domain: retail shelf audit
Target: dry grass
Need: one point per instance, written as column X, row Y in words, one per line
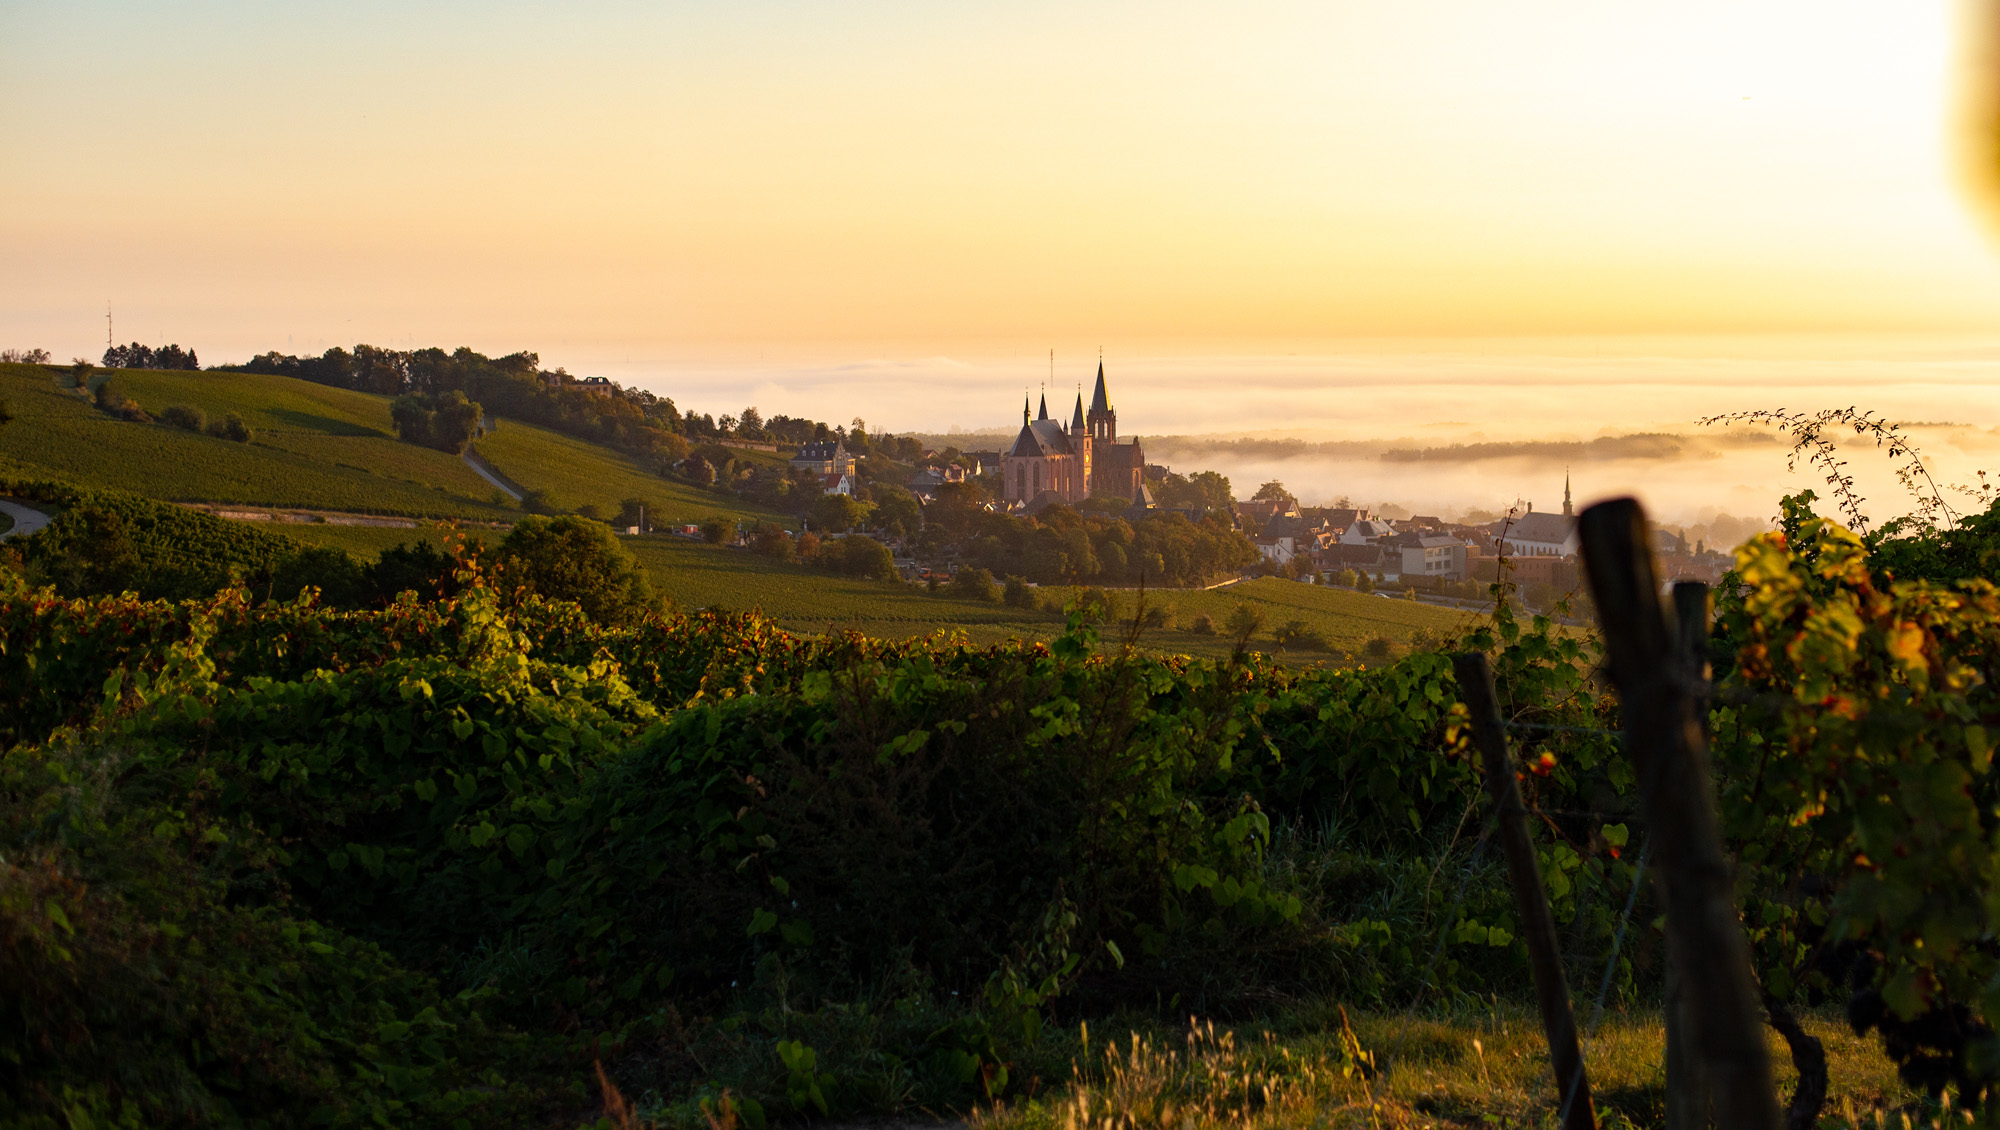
column 1486, row 1070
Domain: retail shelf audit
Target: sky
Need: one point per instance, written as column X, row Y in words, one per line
column 844, row 202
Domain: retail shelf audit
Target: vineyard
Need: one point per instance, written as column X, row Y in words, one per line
column 444, row 862
column 575, row 473
column 309, row 460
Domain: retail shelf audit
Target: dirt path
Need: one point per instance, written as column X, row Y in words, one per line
column 26, row 520
column 479, row 465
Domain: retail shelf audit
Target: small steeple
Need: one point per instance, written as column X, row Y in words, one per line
column 1024, row 408
column 1567, row 510
column 1099, row 400
column 1076, row 419
column 1044, row 413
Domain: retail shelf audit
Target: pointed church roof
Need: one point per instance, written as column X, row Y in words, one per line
column 1041, row 438
column 1099, row 402
column 1076, row 420
column 1045, row 407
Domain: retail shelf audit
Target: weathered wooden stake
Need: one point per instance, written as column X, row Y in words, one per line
column 1538, row 926
column 1687, row 1098
column 1664, row 740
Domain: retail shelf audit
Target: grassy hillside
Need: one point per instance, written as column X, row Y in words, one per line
column 315, row 447
column 575, row 473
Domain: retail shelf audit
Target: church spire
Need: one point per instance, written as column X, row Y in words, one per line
column 1076, row 420
column 1024, row 408
column 1099, row 400
column 1567, row 511
column 1044, row 414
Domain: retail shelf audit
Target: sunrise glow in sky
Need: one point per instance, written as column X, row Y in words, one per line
column 599, row 180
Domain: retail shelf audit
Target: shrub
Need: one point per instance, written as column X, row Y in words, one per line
column 1297, row 635
column 1097, row 604
column 577, row 560
column 231, row 427
column 864, row 557
column 772, row 541
column 186, row 417
column 341, row 580
column 1202, row 625
column 589, row 512
column 975, row 584
column 538, row 502
column 1378, row 647
column 1158, row 614
column 1244, row 621
column 446, row 421
column 1017, row 594
column 716, row 529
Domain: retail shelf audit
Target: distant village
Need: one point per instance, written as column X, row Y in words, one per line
column 1081, row 464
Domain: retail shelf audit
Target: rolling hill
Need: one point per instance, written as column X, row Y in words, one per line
column 318, row 448
column 314, row 447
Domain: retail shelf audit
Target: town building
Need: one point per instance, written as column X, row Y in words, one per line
column 1071, row 464
column 1539, row 534
column 827, row 458
column 1433, row 555
column 1365, row 531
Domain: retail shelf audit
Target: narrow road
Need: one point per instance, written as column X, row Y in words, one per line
column 26, row 520
column 485, row 472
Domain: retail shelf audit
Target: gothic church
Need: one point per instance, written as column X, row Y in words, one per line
column 1083, row 461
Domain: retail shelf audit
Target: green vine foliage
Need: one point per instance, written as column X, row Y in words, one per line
column 277, row 863
column 1854, row 741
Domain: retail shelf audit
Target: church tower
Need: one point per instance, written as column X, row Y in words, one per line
column 1568, row 512
column 1103, row 421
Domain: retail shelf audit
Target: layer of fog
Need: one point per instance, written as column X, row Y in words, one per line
column 1446, row 429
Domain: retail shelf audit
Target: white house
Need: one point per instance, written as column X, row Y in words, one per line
column 1366, row 531
column 841, row 483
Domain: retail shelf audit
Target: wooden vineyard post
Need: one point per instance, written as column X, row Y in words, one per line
column 1663, row 738
column 1687, row 1099
column 1538, row 926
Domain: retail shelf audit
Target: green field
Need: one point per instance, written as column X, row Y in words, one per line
column 803, row 600
column 315, row 447
column 576, row 473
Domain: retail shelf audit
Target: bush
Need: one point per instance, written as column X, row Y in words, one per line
column 975, row 584
column 446, row 421
column 1244, row 622
column 186, row 417
column 1159, row 614
column 342, row 581
column 1379, row 647
column 1202, row 625
column 1018, row 594
column 577, row 560
column 589, row 512
column 771, row 541
column 1297, row 635
column 716, row 530
column 860, row 556
column 538, row 502
column 231, row 427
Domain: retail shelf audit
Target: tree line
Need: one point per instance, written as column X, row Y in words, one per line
column 136, row 356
